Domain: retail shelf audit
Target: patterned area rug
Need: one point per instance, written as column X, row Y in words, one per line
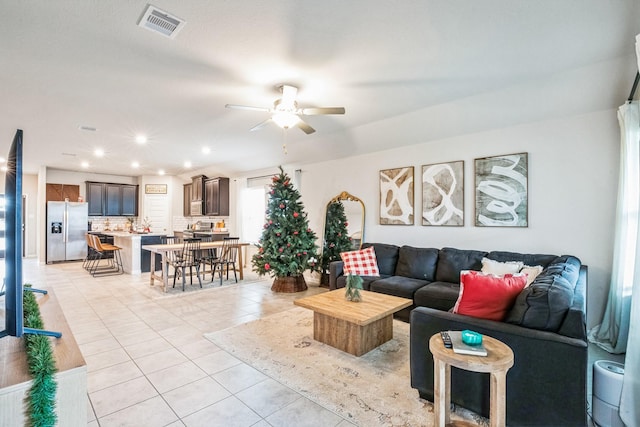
column 371, row 390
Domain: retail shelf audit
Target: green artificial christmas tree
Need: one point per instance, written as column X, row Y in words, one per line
column 287, row 246
column 336, row 239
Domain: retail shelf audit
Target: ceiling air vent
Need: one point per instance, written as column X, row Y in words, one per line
column 161, row 22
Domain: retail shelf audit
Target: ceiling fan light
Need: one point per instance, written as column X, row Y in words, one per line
column 285, row 120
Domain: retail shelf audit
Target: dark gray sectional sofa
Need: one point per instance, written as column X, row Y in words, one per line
column 546, row 329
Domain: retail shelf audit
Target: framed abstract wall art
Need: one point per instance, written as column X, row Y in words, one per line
column 502, row 191
column 443, row 194
column 396, row 196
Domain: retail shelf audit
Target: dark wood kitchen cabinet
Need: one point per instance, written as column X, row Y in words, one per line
column 107, row 199
column 197, row 195
column 129, row 205
column 197, row 188
column 186, row 200
column 216, row 197
column 95, row 198
column 113, row 199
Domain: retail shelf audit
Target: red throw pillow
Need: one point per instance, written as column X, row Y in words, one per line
column 488, row 296
column 362, row 263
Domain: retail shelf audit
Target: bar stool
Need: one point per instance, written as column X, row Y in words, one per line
column 114, row 265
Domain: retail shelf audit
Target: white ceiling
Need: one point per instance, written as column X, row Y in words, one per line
column 407, row 71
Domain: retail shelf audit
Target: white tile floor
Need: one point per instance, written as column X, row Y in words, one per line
column 147, row 360
column 149, row 364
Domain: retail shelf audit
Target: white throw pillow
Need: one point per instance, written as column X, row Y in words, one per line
column 531, row 272
column 490, row 266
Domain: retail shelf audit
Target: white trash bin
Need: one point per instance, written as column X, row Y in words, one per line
column 607, row 389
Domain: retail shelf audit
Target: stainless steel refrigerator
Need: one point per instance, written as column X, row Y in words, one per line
column 67, row 224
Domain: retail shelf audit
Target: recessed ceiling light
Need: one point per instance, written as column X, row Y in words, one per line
column 84, row 164
column 141, row 139
column 187, row 164
column 98, row 152
column 135, row 165
column 3, row 168
column 2, row 160
column 161, row 172
column 206, row 150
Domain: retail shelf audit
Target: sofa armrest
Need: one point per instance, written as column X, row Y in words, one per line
column 575, row 321
column 336, row 269
column 545, row 386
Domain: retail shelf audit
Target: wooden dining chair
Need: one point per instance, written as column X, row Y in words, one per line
column 169, row 240
column 207, row 257
column 227, row 258
column 187, row 258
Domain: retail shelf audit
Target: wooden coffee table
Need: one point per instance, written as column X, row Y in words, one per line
column 353, row 327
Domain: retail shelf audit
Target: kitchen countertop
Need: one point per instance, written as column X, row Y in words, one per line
column 208, row 232
column 126, row 233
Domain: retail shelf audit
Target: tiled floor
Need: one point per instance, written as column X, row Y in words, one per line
column 148, row 363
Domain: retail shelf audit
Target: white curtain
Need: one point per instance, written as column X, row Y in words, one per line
column 613, row 332
column 619, row 331
column 630, row 400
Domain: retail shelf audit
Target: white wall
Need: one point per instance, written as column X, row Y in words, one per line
column 30, row 191
column 573, row 170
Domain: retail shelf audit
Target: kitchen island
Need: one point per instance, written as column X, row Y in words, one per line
column 132, row 253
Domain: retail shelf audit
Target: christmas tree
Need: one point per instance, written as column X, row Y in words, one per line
column 336, row 239
column 287, row 246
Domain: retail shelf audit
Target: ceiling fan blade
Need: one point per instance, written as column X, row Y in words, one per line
column 246, row 107
column 260, row 125
column 289, row 95
column 322, row 110
column 305, row 127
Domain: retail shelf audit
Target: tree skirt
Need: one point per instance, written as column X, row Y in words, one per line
column 289, row 284
column 371, row 390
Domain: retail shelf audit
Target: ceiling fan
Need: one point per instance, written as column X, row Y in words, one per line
column 286, row 113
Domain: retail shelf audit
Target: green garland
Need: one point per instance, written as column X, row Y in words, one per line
column 42, row 396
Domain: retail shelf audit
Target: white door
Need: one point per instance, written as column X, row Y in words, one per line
column 156, row 210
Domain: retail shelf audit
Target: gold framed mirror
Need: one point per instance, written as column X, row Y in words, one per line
column 343, row 213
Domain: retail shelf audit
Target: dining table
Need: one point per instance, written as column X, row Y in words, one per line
column 164, row 249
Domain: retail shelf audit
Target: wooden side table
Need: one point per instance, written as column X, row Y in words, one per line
column 497, row 362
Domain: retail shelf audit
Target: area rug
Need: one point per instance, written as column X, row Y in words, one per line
column 371, row 390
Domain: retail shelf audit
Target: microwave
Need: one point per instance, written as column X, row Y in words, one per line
column 196, row 208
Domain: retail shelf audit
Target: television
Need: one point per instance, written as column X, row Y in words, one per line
column 13, row 252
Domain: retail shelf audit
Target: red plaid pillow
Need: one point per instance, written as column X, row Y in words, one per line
column 361, row 263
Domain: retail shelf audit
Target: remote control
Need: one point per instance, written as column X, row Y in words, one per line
column 446, row 339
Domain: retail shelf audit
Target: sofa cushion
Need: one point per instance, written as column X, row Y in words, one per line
column 387, row 256
column 398, row 286
column 543, row 305
column 566, row 266
column 341, row 281
column 361, row 263
column 438, row 295
column 488, row 296
column 526, row 259
column 490, row 266
column 417, row 263
column 452, row 261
